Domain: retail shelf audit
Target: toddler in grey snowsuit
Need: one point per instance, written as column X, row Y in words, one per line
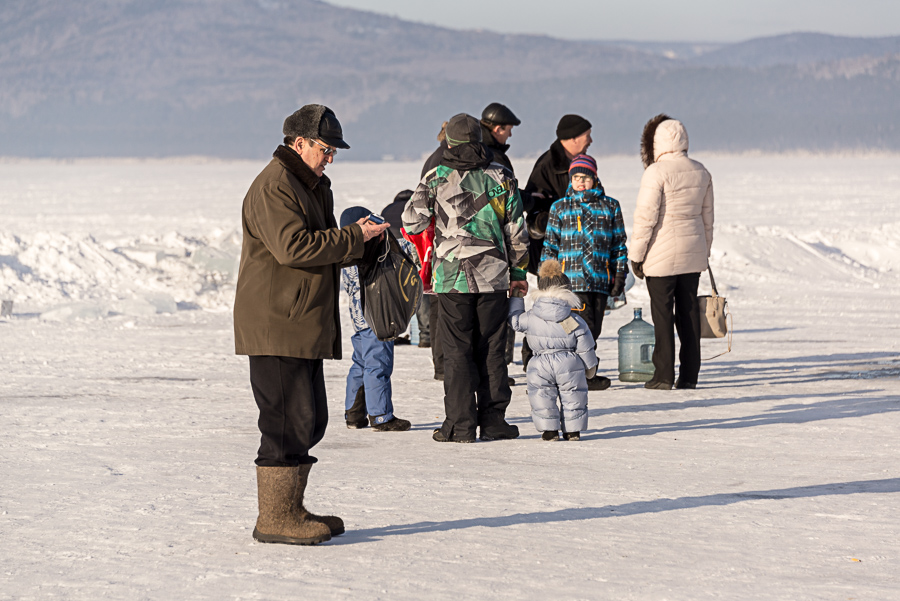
column 563, row 358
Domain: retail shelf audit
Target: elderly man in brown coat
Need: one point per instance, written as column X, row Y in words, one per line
column 286, row 315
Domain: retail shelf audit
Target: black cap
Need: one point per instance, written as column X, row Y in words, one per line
column 462, row 129
column 499, row 114
column 315, row 122
column 571, row 126
column 353, row 214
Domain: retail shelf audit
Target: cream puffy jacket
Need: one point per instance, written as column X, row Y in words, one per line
column 673, row 219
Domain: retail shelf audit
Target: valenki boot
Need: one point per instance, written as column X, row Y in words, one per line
column 277, row 521
column 334, row 523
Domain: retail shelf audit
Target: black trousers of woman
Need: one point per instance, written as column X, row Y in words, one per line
column 673, row 302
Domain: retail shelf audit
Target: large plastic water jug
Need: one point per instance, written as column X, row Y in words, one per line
column 414, row 331
column 636, row 342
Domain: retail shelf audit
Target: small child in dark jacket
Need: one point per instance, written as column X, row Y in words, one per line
column 586, row 234
column 563, row 358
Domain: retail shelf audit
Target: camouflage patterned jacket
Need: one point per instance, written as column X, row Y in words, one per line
column 480, row 239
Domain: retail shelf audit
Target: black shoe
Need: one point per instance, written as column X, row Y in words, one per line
column 439, row 377
column 439, row 437
column 401, row 340
column 599, row 383
column 511, row 381
column 571, row 435
column 358, row 424
column 681, row 384
column 395, row 424
column 501, row 431
column 550, row 435
column 658, row 385
column 424, row 344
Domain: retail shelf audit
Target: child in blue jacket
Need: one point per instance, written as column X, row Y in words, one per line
column 369, row 380
column 586, row 234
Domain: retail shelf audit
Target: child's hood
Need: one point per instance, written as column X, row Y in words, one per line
column 554, row 304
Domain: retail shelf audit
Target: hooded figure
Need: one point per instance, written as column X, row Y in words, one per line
column 563, row 351
column 671, row 240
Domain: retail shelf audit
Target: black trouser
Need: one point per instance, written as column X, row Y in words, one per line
column 293, row 410
column 680, row 292
column 593, row 310
column 423, row 316
column 473, row 334
column 437, row 351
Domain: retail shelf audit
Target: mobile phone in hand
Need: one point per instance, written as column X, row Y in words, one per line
column 376, row 218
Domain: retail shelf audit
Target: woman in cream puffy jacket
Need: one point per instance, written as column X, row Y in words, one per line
column 670, row 244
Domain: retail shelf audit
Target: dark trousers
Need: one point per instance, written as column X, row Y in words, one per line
column 437, row 351
column 593, row 310
column 423, row 316
column 473, row 335
column 293, row 411
column 678, row 292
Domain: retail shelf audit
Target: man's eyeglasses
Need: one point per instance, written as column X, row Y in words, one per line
column 326, row 150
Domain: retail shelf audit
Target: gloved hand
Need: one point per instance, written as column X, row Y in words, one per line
column 618, row 285
column 638, row 269
column 590, row 373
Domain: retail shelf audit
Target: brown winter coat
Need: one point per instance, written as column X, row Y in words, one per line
column 286, row 302
column 673, row 219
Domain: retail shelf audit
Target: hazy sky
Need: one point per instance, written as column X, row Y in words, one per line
column 650, row 20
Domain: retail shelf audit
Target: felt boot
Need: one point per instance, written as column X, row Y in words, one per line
column 334, row 523
column 278, row 522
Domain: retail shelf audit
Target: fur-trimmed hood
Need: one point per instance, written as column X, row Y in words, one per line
column 555, row 303
column 662, row 135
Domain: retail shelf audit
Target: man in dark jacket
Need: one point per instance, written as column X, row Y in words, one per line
column 286, row 315
column 549, row 179
column 548, row 182
column 497, row 122
column 480, row 255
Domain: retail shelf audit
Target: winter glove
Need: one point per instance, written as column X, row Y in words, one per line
column 590, row 373
column 638, row 269
column 619, row 284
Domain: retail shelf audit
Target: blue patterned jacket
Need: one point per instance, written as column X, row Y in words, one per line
column 586, row 234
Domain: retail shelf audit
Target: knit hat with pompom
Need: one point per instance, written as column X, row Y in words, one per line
column 551, row 274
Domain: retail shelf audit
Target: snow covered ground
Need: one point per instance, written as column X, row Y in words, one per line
column 127, row 425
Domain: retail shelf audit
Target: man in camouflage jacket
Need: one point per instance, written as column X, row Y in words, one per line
column 480, row 254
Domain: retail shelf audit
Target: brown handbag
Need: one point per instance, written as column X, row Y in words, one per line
column 714, row 315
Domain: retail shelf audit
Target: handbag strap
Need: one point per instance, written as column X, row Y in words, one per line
column 712, row 280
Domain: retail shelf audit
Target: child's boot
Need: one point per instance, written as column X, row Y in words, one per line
column 572, row 435
column 550, row 435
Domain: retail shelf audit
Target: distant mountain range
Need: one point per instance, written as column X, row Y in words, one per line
column 217, row 77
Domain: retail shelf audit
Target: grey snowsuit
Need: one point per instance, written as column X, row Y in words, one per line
column 563, row 348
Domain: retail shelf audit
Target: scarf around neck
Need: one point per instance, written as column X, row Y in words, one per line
column 466, row 157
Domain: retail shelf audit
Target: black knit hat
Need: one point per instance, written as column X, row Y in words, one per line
column 315, row 122
column 551, row 275
column 571, row 126
column 353, row 214
column 463, row 129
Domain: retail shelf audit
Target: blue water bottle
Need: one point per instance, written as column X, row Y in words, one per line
column 636, row 342
column 414, row 331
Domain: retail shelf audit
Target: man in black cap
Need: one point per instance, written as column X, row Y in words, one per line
column 497, row 122
column 286, row 315
column 547, row 183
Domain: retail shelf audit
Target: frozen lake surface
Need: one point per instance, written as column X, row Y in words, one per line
column 128, row 426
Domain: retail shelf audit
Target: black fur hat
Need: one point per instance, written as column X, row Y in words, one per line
column 647, row 154
column 315, row 122
column 551, row 274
